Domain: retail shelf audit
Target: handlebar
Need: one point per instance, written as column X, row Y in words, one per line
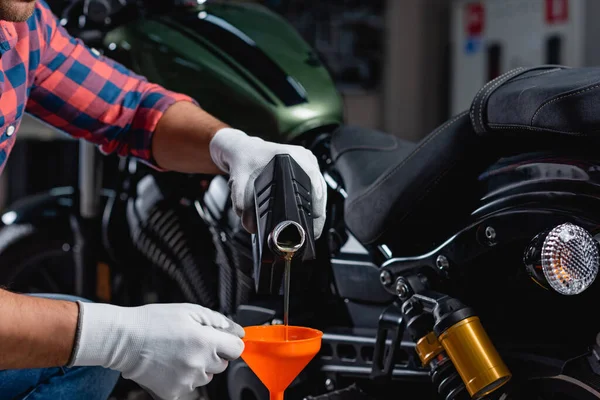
column 102, row 13
column 283, row 205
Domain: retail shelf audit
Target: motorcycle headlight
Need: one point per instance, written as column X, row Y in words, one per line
column 569, row 259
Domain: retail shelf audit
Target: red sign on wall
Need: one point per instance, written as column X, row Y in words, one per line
column 475, row 19
column 557, row 11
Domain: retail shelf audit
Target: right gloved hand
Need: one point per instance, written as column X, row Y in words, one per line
column 169, row 349
column 244, row 157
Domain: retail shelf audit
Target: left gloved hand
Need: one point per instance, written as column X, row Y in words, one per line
column 168, row 349
column 243, row 157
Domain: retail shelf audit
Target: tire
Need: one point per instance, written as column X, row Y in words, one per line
column 32, row 260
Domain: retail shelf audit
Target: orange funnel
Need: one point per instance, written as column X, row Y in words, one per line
column 275, row 360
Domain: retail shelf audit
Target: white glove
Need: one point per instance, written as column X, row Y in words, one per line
column 244, row 157
column 169, row 349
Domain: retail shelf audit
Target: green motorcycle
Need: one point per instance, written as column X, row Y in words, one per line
column 241, row 62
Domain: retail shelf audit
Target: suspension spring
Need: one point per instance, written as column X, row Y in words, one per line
column 446, row 379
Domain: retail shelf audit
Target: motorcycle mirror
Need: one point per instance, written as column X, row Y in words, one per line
column 97, row 10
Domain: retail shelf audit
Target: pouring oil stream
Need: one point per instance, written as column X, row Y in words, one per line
column 286, row 239
column 286, row 293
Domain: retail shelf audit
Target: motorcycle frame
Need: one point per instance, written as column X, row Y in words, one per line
column 86, row 217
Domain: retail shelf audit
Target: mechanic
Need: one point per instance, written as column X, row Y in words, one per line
column 54, row 348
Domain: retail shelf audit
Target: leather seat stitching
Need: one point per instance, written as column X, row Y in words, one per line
column 490, row 91
column 586, row 89
column 536, row 129
column 366, row 147
column 536, row 75
column 506, row 75
column 481, row 91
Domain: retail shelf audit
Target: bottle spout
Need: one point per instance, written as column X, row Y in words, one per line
column 287, row 238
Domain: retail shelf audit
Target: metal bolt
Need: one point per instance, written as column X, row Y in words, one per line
column 329, row 385
column 442, row 262
column 490, row 233
column 385, row 277
column 402, row 289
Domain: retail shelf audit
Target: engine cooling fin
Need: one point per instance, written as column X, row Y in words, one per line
column 168, row 242
column 234, row 258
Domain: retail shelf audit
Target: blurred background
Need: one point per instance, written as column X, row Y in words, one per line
column 401, row 66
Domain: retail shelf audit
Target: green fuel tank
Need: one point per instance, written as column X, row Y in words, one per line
column 242, row 62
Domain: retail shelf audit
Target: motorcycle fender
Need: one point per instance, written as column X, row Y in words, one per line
column 50, row 209
column 41, row 209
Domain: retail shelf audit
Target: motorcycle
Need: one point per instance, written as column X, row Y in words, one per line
column 447, row 269
column 413, row 291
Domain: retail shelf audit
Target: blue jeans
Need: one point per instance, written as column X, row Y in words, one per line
column 89, row 383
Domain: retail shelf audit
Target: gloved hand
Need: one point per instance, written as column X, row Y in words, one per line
column 244, row 157
column 169, row 349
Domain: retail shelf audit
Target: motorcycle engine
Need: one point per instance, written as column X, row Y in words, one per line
column 167, row 233
column 233, row 247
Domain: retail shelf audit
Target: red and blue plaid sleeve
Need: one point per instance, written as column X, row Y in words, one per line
column 92, row 97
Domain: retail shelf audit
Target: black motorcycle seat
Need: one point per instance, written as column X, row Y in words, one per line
column 362, row 155
column 548, row 100
column 386, row 177
column 389, row 180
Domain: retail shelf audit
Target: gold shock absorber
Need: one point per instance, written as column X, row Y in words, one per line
column 474, row 356
column 428, row 347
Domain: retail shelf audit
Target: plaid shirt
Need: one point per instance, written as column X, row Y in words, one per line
column 54, row 77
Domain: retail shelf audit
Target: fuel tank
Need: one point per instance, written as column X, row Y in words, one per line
column 242, row 62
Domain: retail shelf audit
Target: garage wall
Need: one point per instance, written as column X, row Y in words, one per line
column 415, row 89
